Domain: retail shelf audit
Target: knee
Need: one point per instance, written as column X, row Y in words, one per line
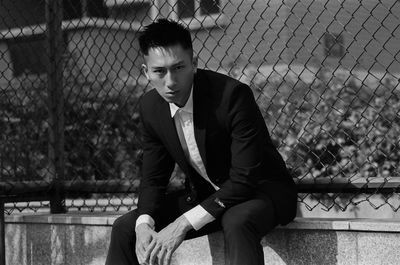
column 123, row 226
column 118, row 223
column 235, row 224
column 118, row 227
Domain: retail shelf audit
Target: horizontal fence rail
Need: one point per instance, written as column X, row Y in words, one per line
column 11, row 191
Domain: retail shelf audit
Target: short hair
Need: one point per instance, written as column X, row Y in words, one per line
column 164, row 33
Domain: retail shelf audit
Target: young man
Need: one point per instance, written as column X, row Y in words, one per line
column 210, row 125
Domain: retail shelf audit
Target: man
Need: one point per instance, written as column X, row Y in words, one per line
column 210, row 125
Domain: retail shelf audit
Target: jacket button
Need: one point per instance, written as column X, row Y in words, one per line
column 189, row 199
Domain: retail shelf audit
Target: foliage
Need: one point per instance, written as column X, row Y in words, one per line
column 101, row 126
column 23, row 142
column 334, row 125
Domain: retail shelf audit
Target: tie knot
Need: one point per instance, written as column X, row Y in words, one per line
column 179, row 113
column 182, row 111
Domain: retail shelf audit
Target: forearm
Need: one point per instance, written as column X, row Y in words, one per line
column 198, row 217
column 183, row 225
column 230, row 194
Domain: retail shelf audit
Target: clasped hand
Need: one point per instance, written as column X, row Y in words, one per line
column 154, row 248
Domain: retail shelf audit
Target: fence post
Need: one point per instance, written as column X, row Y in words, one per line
column 55, row 50
column 2, row 235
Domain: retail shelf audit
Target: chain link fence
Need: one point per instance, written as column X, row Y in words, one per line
column 324, row 73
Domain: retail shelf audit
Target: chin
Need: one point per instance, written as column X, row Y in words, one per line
column 169, row 100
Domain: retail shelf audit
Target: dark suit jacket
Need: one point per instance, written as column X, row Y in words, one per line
column 233, row 142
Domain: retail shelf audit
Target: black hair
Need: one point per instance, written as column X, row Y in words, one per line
column 164, row 33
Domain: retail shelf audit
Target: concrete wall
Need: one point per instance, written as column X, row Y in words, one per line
column 369, row 28
column 20, row 13
column 277, row 31
column 82, row 239
column 254, row 33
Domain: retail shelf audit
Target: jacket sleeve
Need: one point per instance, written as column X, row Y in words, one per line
column 156, row 170
column 249, row 138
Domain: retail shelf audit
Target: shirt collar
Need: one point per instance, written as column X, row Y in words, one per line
column 187, row 108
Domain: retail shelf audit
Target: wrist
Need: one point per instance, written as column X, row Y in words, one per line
column 142, row 227
column 184, row 224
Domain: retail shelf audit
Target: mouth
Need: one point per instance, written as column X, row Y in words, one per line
column 172, row 92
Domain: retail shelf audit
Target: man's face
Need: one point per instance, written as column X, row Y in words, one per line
column 170, row 71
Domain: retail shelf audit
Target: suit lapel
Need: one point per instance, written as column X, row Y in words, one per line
column 171, row 135
column 200, row 113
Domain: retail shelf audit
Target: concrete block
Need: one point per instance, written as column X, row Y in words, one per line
column 201, row 251
column 378, row 248
column 82, row 239
column 346, row 248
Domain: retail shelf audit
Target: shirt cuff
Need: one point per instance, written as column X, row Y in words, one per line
column 198, row 217
column 145, row 219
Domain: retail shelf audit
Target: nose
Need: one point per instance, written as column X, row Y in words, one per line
column 170, row 79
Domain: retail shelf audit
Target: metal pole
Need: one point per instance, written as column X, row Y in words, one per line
column 56, row 102
column 2, row 235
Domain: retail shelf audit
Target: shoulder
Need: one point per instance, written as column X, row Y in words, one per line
column 150, row 99
column 223, row 85
column 217, row 79
column 220, row 85
column 150, row 96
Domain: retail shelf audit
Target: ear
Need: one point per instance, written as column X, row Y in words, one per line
column 194, row 63
column 145, row 71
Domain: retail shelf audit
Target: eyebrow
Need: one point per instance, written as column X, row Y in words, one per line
column 163, row 67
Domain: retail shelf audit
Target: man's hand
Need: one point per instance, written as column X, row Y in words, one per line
column 144, row 235
column 167, row 241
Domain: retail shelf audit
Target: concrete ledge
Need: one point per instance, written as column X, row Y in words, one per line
column 78, row 218
column 108, row 218
column 82, row 238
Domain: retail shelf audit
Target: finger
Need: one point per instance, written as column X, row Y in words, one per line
column 145, row 247
column 161, row 255
column 139, row 253
column 153, row 254
column 168, row 256
column 141, row 257
column 149, row 250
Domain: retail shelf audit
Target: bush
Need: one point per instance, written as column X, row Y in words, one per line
column 23, row 142
column 333, row 125
column 329, row 126
column 101, row 126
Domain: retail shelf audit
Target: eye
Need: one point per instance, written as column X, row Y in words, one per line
column 159, row 71
column 179, row 67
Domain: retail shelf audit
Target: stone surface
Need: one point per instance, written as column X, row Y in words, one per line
column 378, row 248
column 320, row 223
column 81, row 239
column 347, row 248
column 381, row 225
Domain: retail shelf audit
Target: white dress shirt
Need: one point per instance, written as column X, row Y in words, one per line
column 183, row 117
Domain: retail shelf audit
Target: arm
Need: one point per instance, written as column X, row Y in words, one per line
column 156, row 171
column 152, row 247
column 250, row 150
column 157, row 168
